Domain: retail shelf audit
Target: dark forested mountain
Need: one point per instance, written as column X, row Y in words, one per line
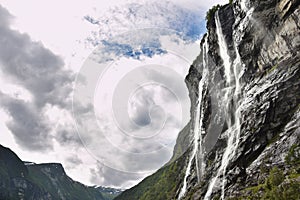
column 26, row 180
column 243, row 140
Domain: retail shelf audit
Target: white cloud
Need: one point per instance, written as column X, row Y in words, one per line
column 58, row 24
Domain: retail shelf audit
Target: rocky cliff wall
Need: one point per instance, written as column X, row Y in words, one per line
column 262, row 39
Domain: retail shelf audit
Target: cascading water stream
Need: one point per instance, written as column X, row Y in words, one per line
column 197, row 127
column 233, row 131
column 233, row 71
column 200, row 155
column 227, row 67
column 223, row 49
column 227, row 97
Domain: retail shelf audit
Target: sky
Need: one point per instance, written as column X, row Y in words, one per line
column 97, row 85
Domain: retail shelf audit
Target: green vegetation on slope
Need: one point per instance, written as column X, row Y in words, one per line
column 54, row 180
column 211, row 12
column 279, row 184
column 161, row 185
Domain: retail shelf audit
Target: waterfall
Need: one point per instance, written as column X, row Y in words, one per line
column 197, row 152
column 232, row 94
column 233, row 71
column 223, row 49
column 200, row 155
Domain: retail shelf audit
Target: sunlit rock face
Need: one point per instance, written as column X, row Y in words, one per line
column 249, row 112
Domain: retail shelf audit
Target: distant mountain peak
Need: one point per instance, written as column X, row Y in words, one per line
column 47, row 181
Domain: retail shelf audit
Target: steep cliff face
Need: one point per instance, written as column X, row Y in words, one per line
column 257, row 54
column 245, row 115
column 19, row 180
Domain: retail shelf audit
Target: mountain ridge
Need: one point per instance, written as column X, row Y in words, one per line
column 27, row 180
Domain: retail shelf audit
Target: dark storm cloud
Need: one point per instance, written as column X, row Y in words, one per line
column 29, row 130
column 65, row 136
column 73, row 161
column 5, row 17
column 32, row 66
